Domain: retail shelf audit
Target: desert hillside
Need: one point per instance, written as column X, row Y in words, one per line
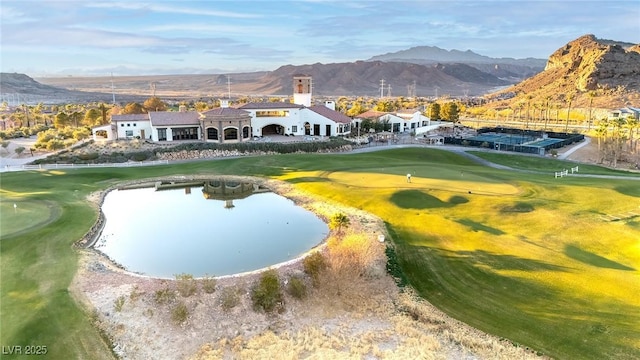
column 588, row 71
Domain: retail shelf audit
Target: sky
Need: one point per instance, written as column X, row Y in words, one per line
column 102, row 38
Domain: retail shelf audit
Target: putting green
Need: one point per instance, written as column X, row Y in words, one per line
column 19, row 215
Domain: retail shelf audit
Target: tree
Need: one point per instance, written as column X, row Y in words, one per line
column 61, row 120
column 133, row 108
column 4, row 144
column 19, row 150
column 570, row 98
column 547, row 101
column 356, row 109
column 592, row 95
column 450, row 112
column 154, row 104
column 434, row 111
column 92, row 117
column 103, row 114
column 339, row 222
column 75, row 117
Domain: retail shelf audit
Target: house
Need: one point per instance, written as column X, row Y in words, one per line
column 624, row 113
column 228, row 124
column 401, row 121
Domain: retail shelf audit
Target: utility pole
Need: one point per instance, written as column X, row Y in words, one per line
column 228, row 87
column 381, row 88
column 389, row 90
column 113, row 93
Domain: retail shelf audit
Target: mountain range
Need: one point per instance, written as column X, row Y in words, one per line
column 585, row 64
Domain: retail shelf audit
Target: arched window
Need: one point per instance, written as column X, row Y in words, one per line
column 212, row 134
column 231, row 134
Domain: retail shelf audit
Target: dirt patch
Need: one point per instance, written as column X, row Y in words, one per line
column 357, row 311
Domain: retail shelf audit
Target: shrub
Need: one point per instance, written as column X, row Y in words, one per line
column 186, row 285
column 164, row 296
column 208, row 284
column 230, row 298
column 314, row 264
column 266, row 294
column 119, row 303
column 179, row 313
column 393, row 267
column 89, row 156
column 19, row 150
column 135, row 293
column 296, row 287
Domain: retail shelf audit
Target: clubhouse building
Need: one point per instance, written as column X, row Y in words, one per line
column 231, row 125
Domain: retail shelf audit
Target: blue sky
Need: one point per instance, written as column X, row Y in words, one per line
column 53, row 38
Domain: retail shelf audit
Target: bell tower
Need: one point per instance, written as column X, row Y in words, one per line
column 302, row 85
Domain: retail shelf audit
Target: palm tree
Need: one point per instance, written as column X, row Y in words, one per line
column 547, row 100
column 570, row 98
column 592, row 95
column 529, row 97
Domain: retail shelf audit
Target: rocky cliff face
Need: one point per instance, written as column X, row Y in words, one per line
column 593, row 64
column 588, row 70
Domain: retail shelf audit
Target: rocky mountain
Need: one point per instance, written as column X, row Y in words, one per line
column 20, row 88
column 365, row 78
column 587, row 70
column 506, row 68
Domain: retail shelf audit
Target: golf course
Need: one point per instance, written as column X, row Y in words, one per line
column 552, row 264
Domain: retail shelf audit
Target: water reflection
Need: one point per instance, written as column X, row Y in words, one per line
column 161, row 229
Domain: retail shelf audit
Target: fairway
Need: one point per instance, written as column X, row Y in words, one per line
column 516, row 254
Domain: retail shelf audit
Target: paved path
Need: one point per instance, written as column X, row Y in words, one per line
column 587, row 141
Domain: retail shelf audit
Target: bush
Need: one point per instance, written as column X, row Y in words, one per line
column 118, row 304
column 179, row 313
column 186, row 285
column 314, row 265
column 89, row 156
column 208, row 284
column 164, row 296
column 266, row 294
column 19, row 150
column 230, row 298
column 296, row 287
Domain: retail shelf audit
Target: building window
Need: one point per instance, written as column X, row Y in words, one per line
column 122, row 125
column 162, row 134
column 128, row 133
column 272, row 113
column 212, row 134
column 128, row 124
column 294, row 128
column 135, row 124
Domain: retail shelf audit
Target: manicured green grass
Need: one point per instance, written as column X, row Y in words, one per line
column 535, row 163
column 519, row 255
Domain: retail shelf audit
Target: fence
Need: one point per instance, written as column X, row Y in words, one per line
column 82, row 166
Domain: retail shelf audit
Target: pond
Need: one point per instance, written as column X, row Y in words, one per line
column 206, row 228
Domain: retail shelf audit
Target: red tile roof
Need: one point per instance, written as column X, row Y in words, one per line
column 270, row 105
column 130, row 117
column 166, row 118
column 331, row 114
column 371, row 114
column 220, row 111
